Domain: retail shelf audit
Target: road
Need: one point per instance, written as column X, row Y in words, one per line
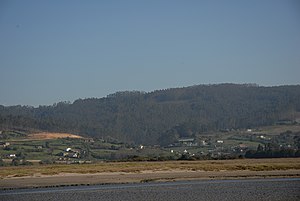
column 247, row 189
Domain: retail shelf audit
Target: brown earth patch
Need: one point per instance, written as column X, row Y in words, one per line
column 47, row 135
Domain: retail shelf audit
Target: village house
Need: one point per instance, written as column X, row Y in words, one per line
column 187, row 142
column 89, row 140
column 70, row 153
column 68, row 149
column 240, row 148
column 12, row 156
column 4, row 144
column 39, row 147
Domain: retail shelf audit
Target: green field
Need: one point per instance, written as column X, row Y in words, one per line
column 234, row 145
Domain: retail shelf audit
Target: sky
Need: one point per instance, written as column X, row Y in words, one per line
column 52, row 51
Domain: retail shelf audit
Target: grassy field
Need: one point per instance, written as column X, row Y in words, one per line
column 136, row 167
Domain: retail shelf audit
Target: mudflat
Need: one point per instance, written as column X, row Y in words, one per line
column 275, row 189
column 143, row 172
column 72, row 179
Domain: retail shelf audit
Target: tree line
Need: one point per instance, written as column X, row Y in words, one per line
column 162, row 116
column 271, row 150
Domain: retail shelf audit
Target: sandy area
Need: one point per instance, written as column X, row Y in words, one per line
column 146, row 176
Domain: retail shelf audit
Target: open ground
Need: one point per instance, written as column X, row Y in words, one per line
column 47, row 136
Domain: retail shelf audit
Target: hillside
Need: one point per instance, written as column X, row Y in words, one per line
column 162, row 116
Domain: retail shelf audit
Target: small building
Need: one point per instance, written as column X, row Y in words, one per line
column 4, row 144
column 12, row 155
column 91, row 140
column 187, row 142
column 240, row 148
column 243, row 146
column 220, row 141
column 75, row 155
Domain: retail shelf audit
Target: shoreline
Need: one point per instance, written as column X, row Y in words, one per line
column 105, row 178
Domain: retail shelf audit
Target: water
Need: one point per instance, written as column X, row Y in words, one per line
column 250, row 189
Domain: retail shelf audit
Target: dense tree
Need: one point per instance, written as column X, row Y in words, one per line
column 148, row 118
column 271, row 150
column 2, row 162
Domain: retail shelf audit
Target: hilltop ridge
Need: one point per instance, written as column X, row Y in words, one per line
column 161, row 116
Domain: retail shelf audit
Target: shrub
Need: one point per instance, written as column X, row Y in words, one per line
column 2, row 162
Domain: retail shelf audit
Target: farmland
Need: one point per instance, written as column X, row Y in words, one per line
column 69, row 148
column 75, row 160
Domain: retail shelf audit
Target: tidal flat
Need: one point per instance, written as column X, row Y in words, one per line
column 284, row 189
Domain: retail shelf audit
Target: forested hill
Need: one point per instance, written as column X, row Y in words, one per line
column 161, row 116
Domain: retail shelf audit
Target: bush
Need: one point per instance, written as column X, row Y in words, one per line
column 24, row 162
column 15, row 162
column 2, row 162
column 47, row 161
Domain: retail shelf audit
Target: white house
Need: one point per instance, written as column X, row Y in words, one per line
column 12, row 155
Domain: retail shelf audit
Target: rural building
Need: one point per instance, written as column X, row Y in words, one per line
column 240, row 148
column 12, row 155
column 74, row 155
column 243, row 146
column 203, row 143
column 187, row 142
column 90, row 140
column 4, row 144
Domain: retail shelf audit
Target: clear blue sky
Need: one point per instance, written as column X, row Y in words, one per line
column 53, row 51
